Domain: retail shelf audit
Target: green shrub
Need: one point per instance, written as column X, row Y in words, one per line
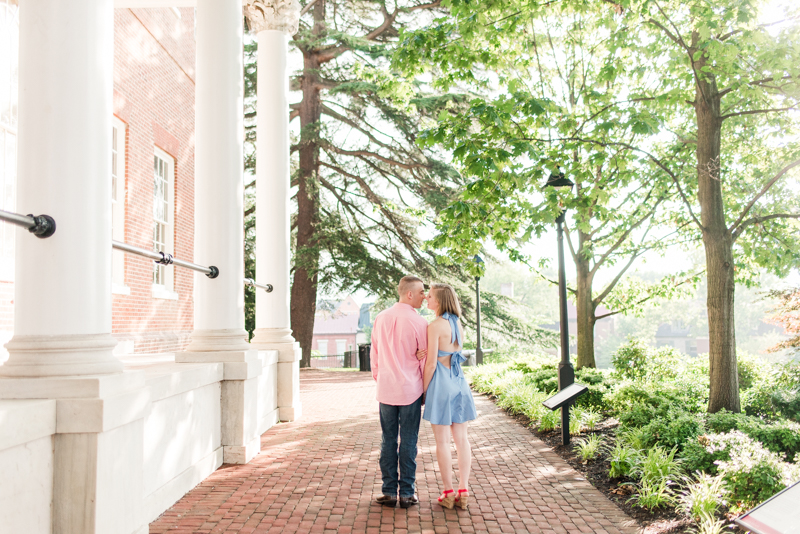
column 674, row 429
column 781, row 437
column 757, row 401
column 636, row 360
column 624, row 459
column 752, row 475
column 752, row 370
column 631, row 359
column 689, row 395
column 703, row 496
column 705, row 452
column 636, row 438
column 544, row 379
column 787, row 402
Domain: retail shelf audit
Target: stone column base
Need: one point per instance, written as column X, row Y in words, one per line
column 239, row 404
column 289, row 354
column 98, row 459
column 66, row 355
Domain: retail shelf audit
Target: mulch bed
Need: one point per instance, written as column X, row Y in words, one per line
column 659, row 521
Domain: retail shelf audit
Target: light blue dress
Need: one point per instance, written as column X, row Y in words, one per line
column 449, row 399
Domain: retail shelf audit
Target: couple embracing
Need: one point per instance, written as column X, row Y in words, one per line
column 416, row 363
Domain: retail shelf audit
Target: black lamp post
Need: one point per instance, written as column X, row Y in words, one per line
column 478, row 348
column 566, row 374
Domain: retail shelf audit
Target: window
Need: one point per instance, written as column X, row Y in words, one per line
column 118, row 205
column 322, row 346
column 340, row 346
column 163, row 215
column 9, row 72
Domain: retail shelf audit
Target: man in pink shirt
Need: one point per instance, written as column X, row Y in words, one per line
column 397, row 335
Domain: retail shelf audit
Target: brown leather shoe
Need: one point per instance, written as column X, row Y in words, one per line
column 386, row 500
column 408, row 502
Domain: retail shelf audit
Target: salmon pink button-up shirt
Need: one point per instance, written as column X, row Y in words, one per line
column 397, row 335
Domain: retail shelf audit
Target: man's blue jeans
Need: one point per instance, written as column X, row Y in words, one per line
column 402, row 421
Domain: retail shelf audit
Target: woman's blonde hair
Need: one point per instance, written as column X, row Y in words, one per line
column 447, row 298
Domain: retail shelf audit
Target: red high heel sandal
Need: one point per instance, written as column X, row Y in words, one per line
column 462, row 499
column 447, row 499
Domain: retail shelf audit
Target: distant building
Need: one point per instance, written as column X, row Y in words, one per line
column 602, row 328
column 680, row 337
column 339, row 326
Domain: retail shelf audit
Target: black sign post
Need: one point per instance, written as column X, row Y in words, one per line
column 564, row 399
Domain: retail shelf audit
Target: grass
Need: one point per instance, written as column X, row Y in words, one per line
column 550, row 420
column 624, row 459
column 658, row 465
column 589, row 447
column 653, row 494
column 702, row 497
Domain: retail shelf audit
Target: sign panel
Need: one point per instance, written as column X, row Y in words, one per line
column 568, row 394
column 779, row 514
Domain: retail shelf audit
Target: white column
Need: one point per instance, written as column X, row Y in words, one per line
column 219, row 189
column 62, row 321
column 273, row 21
column 62, row 345
column 219, row 334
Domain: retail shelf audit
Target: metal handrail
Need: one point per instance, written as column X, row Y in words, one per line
column 252, row 283
column 44, row 226
column 163, row 258
column 41, row 226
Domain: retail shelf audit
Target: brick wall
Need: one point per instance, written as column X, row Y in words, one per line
column 154, row 96
column 331, row 339
column 154, row 88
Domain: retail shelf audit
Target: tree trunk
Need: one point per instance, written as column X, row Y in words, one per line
column 723, row 374
column 585, row 307
column 306, row 259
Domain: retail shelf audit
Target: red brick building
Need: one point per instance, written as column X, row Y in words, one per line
column 152, row 175
column 336, row 330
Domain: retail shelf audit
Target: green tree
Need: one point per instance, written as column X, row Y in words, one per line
column 716, row 89
column 365, row 189
column 363, row 185
column 727, row 86
column 560, row 73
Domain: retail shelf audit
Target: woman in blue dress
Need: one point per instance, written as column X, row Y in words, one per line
column 448, row 399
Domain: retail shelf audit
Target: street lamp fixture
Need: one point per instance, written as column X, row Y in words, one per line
column 566, row 373
column 478, row 348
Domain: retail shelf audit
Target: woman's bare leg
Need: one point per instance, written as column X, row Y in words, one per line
column 464, row 453
column 442, row 435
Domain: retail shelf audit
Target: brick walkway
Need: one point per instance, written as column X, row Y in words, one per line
column 320, row 474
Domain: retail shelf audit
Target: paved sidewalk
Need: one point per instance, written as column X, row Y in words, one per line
column 321, row 474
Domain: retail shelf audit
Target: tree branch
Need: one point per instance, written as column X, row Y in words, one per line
column 735, row 228
column 756, row 111
column 754, row 220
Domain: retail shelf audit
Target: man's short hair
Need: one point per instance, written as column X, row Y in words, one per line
column 406, row 284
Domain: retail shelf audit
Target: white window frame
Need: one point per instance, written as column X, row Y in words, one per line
column 165, row 289
column 341, row 346
column 118, row 206
column 8, row 139
column 322, row 346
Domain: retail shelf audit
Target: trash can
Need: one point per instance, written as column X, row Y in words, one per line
column 363, row 357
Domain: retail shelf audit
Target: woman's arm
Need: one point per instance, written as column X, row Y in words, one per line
column 433, row 350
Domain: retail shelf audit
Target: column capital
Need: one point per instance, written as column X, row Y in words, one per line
column 278, row 15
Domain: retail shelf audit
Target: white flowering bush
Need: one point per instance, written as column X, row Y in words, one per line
column 752, row 473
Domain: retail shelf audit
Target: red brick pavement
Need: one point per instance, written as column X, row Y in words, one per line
column 321, row 474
